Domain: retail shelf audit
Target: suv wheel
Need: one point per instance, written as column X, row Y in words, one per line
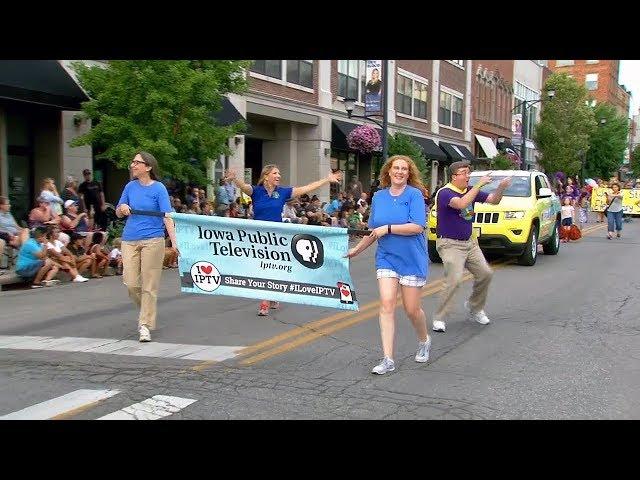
column 530, row 254
column 433, row 253
column 551, row 246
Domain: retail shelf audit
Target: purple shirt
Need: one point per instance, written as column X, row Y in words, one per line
column 452, row 222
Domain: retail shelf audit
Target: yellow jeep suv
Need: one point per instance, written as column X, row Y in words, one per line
column 528, row 214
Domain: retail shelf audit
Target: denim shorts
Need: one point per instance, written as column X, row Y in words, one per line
column 567, row 222
column 406, row 280
column 32, row 271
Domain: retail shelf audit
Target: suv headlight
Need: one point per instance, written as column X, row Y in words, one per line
column 434, row 213
column 513, row 215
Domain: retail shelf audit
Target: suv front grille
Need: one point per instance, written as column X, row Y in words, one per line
column 486, row 217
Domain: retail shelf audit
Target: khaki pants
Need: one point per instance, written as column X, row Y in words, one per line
column 142, row 268
column 456, row 255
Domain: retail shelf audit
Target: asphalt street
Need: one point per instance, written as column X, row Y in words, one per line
column 562, row 344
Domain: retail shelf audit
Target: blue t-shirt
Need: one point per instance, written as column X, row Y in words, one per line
column 404, row 254
column 27, row 255
column 152, row 197
column 267, row 207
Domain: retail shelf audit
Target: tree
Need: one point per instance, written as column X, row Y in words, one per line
column 401, row 144
column 566, row 124
column 164, row 107
column 634, row 163
column 607, row 143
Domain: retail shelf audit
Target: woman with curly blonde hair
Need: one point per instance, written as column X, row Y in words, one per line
column 397, row 220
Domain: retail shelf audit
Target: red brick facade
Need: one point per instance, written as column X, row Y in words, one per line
column 608, row 88
column 424, row 69
column 492, row 100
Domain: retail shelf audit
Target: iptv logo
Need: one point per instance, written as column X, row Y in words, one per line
column 345, row 293
column 205, row 276
column 308, row 250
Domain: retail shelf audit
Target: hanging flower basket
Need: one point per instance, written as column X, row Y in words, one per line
column 364, row 139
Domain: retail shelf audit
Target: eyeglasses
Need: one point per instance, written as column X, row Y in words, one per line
column 135, row 162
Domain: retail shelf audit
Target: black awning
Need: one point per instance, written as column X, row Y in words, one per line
column 456, row 152
column 228, row 114
column 44, row 82
column 430, row 148
column 339, row 132
column 467, row 153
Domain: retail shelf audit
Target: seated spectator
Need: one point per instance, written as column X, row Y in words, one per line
column 207, row 209
column 342, row 218
column 354, row 219
column 84, row 261
column 115, row 256
column 61, row 255
column 362, row 201
column 335, row 204
column 50, row 194
column 234, row 211
column 290, row 213
column 43, row 215
column 102, row 259
column 170, row 256
column 315, row 215
column 32, row 262
column 13, row 234
column 72, row 220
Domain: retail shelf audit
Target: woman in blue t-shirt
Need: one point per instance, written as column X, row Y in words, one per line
column 268, row 199
column 397, row 220
column 143, row 238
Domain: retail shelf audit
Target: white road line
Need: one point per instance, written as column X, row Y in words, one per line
column 152, row 408
column 60, row 405
column 114, row 346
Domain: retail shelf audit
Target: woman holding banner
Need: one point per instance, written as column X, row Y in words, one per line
column 268, row 198
column 143, row 245
column 397, row 220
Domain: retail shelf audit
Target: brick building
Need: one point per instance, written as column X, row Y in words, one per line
column 601, row 77
column 492, row 104
column 296, row 116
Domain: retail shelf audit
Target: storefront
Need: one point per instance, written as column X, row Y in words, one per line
column 37, row 98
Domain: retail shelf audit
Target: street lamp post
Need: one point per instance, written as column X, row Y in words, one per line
column 525, row 104
column 349, row 104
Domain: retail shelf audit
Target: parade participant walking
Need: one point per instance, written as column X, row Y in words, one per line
column 268, row 198
column 397, row 221
column 614, row 211
column 455, row 244
column 143, row 238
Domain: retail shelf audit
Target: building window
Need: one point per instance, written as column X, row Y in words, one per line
column 459, row 63
column 411, row 97
column 591, row 81
column 300, row 72
column 564, row 63
column 591, row 62
column 351, row 79
column 270, row 68
column 450, row 112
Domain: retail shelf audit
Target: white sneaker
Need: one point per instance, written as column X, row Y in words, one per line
column 422, row 355
column 80, row 278
column 479, row 317
column 439, row 326
column 145, row 335
column 386, row 365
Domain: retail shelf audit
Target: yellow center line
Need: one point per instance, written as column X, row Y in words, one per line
column 311, row 331
column 353, row 320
